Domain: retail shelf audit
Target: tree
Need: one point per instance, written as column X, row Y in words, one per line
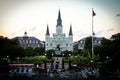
column 29, row 51
column 78, row 52
column 116, row 48
column 39, row 51
column 10, row 47
column 50, row 53
column 88, row 43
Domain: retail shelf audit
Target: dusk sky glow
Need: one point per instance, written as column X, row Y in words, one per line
column 16, row 16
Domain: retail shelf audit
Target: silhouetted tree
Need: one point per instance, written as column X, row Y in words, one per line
column 29, row 51
column 39, row 51
column 88, row 43
column 116, row 48
column 10, row 47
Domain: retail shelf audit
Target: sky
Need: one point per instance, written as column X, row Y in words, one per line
column 18, row 16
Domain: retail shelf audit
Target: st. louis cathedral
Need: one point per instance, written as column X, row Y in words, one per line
column 59, row 39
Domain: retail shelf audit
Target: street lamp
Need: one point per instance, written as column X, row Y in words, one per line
column 69, row 55
column 52, row 54
column 63, row 54
column 91, row 61
column 107, row 57
column 45, row 54
column 7, row 56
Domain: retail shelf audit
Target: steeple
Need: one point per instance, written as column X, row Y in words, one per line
column 47, row 31
column 70, row 31
column 59, row 20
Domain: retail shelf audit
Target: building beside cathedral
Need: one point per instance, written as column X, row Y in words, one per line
column 59, row 38
column 29, row 41
column 97, row 41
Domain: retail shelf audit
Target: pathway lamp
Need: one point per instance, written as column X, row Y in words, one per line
column 52, row 54
column 45, row 54
column 63, row 54
column 69, row 55
column 107, row 57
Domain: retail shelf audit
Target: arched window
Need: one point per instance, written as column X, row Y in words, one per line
column 50, row 44
column 66, row 44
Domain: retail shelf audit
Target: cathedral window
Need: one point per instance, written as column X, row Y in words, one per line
column 50, row 44
column 66, row 44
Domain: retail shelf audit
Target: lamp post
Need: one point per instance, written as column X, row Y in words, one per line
column 8, row 60
column 63, row 54
column 52, row 54
column 69, row 55
column 45, row 54
column 7, row 56
column 69, row 61
column 91, row 62
column 18, row 58
column 107, row 57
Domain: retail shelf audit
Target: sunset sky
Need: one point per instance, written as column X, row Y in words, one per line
column 16, row 16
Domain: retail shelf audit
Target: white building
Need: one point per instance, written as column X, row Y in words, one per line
column 59, row 38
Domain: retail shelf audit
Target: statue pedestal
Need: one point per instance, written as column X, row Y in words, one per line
column 58, row 53
column 58, row 61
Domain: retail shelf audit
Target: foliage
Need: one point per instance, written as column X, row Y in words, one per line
column 39, row 51
column 29, row 51
column 10, row 47
column 88, row 43
column 78, row 52
column 34, row 60
column 116, row 48
column 66, row 53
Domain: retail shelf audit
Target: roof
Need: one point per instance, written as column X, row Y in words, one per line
column 27, row 38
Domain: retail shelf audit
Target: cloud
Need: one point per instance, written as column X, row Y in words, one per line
column 33, row 29
column 111, row 29
column 99, row 32
column 13, row 34
column 118, row 15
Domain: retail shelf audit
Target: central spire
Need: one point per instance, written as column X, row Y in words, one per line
column 59, row 20
column 47, row 31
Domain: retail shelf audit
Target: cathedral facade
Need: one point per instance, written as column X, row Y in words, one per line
column 59, row 39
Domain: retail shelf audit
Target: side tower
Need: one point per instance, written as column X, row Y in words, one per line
column 47, row 39
column 70, row 39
